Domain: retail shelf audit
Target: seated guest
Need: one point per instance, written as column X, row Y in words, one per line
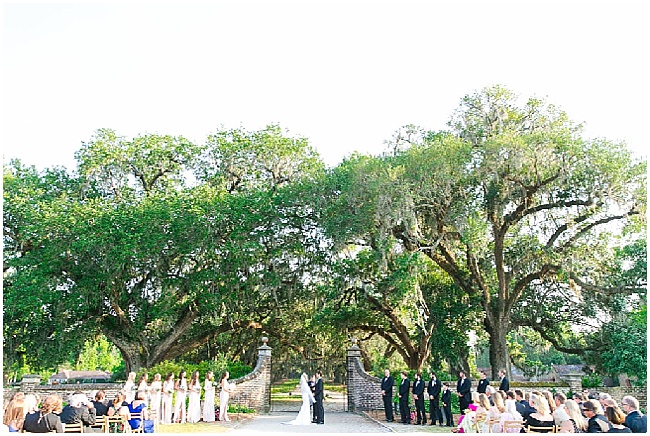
column 490, row 392
column 522, row 404
column 138, row 406
column 541, row 416
column 101, row 408
column 45, row 420
column 597, row 422
column 80, row 410
column 484, row 407
column 617, row 418
column 635, row 420
column 601, row 399
column 495, row 413
column 549, row 400
column 14, row 415
column 31, row 403
column 576, row 423
column 474, row 405
column 510, row 414
column 118, row 406
column 559, row 414
column 579, row 398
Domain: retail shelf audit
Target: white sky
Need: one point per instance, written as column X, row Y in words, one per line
column 346, row 75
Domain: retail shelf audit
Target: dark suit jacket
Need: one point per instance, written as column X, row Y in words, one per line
column 598, row 424
column 446, row 397
column 434, row 387
column 318, row 390
column 73, row 415
column 404, row 387
column 464, row 386
column 482, row 385
column 35, row 423
column 101, row 409
column 636, row 422
column 387, row 384
column 521, row 406
column 418, row 388
column 504, row 385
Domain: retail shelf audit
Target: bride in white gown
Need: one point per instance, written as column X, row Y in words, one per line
column 304, row 416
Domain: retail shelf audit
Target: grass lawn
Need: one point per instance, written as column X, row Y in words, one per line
column 205, row 427
column 199, row 427
column 286, row 386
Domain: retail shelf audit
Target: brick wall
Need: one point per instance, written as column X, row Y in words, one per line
column 617, row 393
column 64, row 390
column 364, row 390
column 252, row 390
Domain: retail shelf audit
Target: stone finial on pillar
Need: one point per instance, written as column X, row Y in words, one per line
column 354, row 350
column 264, row 349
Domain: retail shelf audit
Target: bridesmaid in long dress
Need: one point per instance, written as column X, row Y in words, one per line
column 143, row 387
column 224, row 396
column 194, row 408
column 154, row 393
column 129, row 387
column 167, row 396
column 180, row 408
column 208, row 398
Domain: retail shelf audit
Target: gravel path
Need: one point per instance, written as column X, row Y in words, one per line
column 335, row 422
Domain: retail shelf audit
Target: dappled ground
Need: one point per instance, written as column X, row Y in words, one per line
column 396, row 426
column 335, row 422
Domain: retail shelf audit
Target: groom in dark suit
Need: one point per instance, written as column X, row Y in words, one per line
column 318, row 398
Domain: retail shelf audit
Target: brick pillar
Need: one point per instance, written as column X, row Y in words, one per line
column 354, row 355
column 264, row 361
column 254, row 390
column 29, row 382
column 574, row 381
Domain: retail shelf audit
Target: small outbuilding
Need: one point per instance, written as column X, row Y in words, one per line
column 69, row 376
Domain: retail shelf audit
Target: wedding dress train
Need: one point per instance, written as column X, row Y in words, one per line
column 304, row 415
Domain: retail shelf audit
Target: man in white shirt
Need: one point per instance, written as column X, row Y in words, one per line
column 559, row 414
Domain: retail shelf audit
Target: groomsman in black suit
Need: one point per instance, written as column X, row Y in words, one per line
column 445, row 399
column 433, row 389
column 387, row 394
column 403, row 394
column 483, row 383
column 318, row 398
column 418, row 398
column 463, row 387
column 505, row 384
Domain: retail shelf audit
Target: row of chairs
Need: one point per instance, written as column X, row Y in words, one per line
column 509, row 425
column 482, row 420
column 113, row 424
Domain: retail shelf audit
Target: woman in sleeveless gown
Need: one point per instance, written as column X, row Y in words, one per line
column 155, row 395
column 304, row 415
column 224, row 396
column 194, row 408
column 129, row 387
column 167, row 398
column 208, row 400
column 180, row 408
